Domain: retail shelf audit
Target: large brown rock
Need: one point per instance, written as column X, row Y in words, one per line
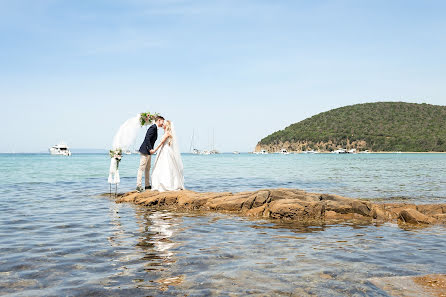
column 290, row 204
column 413, row 216
column 295, row 210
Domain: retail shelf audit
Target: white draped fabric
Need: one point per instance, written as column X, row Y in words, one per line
column 124, row 139
column 127, row 133
column 113, row 176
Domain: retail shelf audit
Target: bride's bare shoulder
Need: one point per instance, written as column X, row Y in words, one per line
column 167, row 134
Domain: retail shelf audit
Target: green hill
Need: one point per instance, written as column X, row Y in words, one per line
column 381, row 126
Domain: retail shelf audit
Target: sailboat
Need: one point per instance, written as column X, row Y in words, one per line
column 213, row 151
column 192, row 148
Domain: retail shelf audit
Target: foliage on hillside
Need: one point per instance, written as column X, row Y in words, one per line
column 384, row 126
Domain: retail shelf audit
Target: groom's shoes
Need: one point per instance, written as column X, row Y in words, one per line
column 139, row 189
column 148, row 187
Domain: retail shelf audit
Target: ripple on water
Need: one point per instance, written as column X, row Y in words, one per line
column 140, row 252
column 58, row 238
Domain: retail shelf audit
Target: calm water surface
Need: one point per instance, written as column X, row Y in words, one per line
column 59, row 237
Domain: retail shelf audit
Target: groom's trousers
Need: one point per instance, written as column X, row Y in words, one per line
column 144, row 166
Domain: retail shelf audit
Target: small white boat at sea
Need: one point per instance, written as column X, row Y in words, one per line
column 127, row 152
column 263, row 152
column 340, row 151
column 60, row 149
column 211, row 152
column 352, row 151
column 236, row 152
column 284, row 152
column 310, row 152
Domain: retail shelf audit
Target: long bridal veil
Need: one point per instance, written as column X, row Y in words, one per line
column 176, row 149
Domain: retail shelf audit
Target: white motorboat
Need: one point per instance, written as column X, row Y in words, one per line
column 284, row 152
column 60, row 149
column 310, row 152
column 352, row 151
column 340, row 151
column 236, row 152
column 264, row 152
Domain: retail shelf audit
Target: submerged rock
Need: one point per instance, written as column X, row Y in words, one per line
column 424, row 285
column 290, row 204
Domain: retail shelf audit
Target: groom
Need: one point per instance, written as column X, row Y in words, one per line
column 146, row 150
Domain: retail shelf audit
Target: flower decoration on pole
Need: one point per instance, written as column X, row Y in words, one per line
column 146, row 118
column 117, row 155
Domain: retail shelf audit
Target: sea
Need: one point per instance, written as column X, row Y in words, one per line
column 60, row 236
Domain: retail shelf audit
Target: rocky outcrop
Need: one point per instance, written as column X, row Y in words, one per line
column 290, row 204
column 321, row 146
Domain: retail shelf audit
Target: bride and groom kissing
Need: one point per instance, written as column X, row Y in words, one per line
column 167, row 173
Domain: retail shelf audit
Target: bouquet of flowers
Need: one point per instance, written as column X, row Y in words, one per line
column 146, row 118
column 117, row 155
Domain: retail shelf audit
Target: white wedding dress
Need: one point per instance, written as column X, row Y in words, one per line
column 167, row 174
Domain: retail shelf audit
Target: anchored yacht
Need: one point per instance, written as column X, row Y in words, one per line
column 340, row 151
column 284, row 152
column 60, row 149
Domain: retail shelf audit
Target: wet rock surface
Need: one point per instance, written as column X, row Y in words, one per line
column 433, row 285
column 290, row 204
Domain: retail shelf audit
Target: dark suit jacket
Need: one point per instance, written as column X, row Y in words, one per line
column 149, row 140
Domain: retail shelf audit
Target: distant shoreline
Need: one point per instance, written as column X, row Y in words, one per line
column 362, row 153
column 407, row 153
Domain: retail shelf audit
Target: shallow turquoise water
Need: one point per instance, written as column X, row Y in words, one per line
column 58, row 237
column 418, row 177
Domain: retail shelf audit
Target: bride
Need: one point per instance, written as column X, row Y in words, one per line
column 167, row 174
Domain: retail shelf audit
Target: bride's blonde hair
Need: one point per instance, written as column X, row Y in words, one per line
column 169, row 130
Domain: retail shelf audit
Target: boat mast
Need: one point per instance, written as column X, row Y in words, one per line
column 192, row 146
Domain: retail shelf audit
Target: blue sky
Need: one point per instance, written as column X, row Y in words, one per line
column 75, row 70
